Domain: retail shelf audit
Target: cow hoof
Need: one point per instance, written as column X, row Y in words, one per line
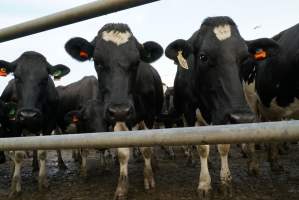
column 226, row 190
column 149, row 183
column 253, row 168
column 120, row 197
column 83, row 173
column 43, row 184
column 276, row 166
column 205, row 194
column 14, row 194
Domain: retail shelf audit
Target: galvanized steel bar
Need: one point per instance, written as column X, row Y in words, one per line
column 73, row 15
column 242, row 133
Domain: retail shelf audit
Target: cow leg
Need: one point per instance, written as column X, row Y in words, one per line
column 83, row 167
column 75, row 155
column 42, row 179
column 188, row 151
column 225, row 175
column 35, row 166
column 244, row 150
column 123, row 180
column 253, row 163
column 204, row 187
column 169, row 152
column 60, row 161
column 273, row 158
column 17, row 157
column 149, row 181
column 2, row 157
column 108, row 159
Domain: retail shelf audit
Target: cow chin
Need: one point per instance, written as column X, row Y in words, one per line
column 234, row 117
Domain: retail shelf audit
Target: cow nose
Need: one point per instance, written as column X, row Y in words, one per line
column 241, row 118
column 28, row 114
column 119, row 112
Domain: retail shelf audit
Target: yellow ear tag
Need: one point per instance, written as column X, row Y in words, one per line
column 182, row 61
column 3, row 72
column 57, row 75
column 260, row 54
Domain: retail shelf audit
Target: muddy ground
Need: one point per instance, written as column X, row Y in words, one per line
column 174, row 180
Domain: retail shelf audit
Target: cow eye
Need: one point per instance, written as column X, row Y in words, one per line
column 203, row 57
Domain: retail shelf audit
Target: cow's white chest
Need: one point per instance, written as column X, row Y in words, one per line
column 116, row 37
column 276, row 112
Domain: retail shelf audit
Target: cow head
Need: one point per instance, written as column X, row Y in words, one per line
column 117, row 55
column 34, row 88
column 217, row 50
column 89, row 118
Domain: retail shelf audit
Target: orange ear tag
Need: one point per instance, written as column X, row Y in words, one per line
column 75, row 119
column 3, row 72
column 260, row 54
column 83, row 54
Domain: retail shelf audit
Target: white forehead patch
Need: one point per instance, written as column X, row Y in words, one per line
column 116, row 37
column 222, row 32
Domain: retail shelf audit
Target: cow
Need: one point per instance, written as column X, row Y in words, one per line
column 208, row 68
column 89, row 119
column 72, row 97
column 130, row 88
column 8, row 127
column 37, row 101
column 271, row 83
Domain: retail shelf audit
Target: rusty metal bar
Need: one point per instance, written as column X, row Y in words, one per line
column 73, row 15
column 241, row 133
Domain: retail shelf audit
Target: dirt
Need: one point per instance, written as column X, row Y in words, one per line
column 174, row 180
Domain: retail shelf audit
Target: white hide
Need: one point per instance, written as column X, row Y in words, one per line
column 222, row 32
column 116, row 37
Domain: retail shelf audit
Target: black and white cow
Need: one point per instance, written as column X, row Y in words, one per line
column 8, row 127
column 271, row 80
column 209, row 63
column 130, row 88
column 72, row 97
column 37, row 101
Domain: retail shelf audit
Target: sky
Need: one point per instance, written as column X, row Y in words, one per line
column 163, row 21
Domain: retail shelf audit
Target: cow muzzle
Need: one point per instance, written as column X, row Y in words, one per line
column 119, row 112
column 28, row 114
column 239, row 118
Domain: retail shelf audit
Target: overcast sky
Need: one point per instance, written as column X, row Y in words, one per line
column 162, row 21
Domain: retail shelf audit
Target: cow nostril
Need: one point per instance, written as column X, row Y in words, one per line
column 27, row 114
column 241, row 118
column 119, row 112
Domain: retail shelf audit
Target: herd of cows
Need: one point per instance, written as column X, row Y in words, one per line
column 228, row 79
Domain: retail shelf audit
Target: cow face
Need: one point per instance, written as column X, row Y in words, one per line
column 89, row 118
column 217, row 51
column 116, row 54
column 33, row 85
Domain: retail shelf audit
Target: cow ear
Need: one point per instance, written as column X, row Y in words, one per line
column 79, row 48
column 58, row 71
column 262, row 48
column 150, row 51
column 6, row 68
column 179, row 51
column 72, row 117
column 11, row 110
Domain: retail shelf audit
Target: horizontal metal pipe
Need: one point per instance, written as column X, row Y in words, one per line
column 77, row 14
column 224, row 134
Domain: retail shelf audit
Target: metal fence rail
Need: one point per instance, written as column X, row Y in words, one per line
column 73, row 15
column 241, row 133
